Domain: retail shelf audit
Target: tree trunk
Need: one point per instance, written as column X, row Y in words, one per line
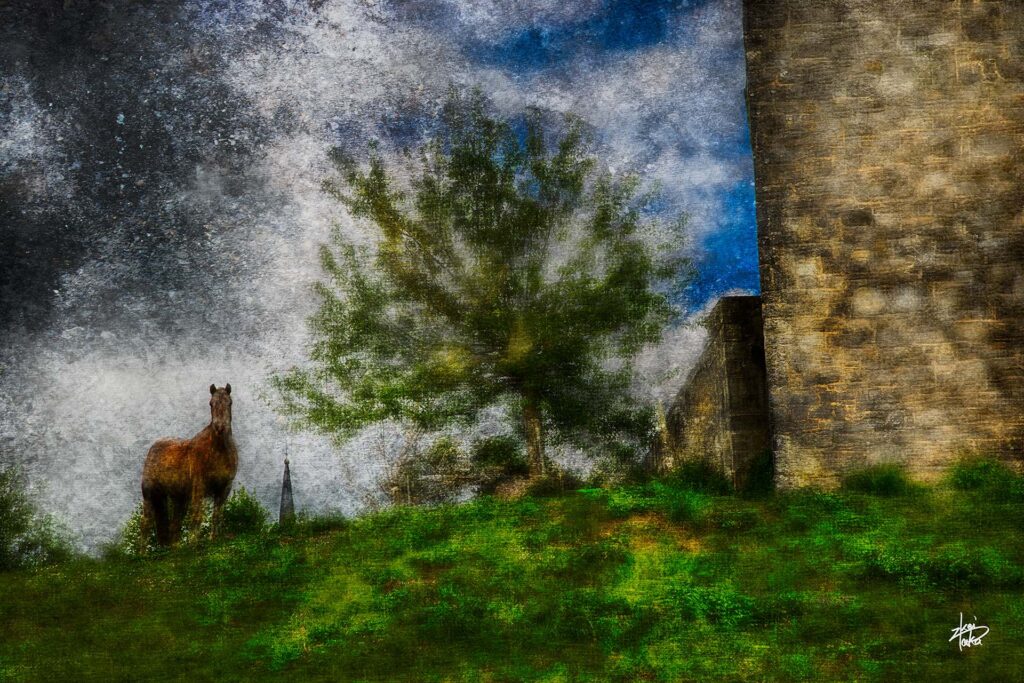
column 664, row 449
column 534, row 436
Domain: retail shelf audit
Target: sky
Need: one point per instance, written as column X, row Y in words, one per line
column 161, row 205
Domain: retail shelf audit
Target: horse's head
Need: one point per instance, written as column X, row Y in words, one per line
column 220, row 408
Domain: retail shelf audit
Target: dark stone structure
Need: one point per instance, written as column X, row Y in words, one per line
column 287, row 513
column 721, row 414
column 888, row 143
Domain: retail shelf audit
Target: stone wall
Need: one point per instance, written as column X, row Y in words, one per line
column 888, row 142
column 721, row 413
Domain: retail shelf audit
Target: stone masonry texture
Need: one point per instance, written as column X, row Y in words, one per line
column 721, row 414
column 888, row 143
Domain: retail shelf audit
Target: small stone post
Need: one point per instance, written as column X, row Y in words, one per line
column 287, row 502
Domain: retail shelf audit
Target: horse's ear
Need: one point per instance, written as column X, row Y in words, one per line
column 227, row 387
column 213, row 389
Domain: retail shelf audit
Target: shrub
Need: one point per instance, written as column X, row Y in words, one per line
column 886, row 480
column 496, row 460
column 802, row 509
column 760, row 479
column 309, row 525
column 553, row 484
column 129, row 540
column 956, row 566
column 243, row 514
column 998, row 481
column 589, row 559
column 621, row 465
column 678, row 504
column 456, row 613
column 623, row 502
column 590, row 614
column 683, row 505
column 437, row 475
column 728, row 519
column 699, row 475
column 717, row 604
column 962, row 566
column 974, row 473
column 27, row 539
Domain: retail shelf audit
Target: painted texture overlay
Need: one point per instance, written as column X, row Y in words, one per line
column 887, row 141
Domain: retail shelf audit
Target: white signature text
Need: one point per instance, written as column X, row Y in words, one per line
column 966, row 633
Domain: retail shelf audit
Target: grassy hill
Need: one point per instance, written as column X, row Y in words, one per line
column 649, row 582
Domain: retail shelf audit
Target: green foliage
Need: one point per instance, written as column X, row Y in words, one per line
column 311, row 525
column 975, row 473
column 699, row 475
column 715, row 604
column 989, row 476
column 957, row 566
column 243, row 514
column 760, row 476
column 803, row 509
column 129, row 540
column 436, row 475
column 509, row 273
column 621, row 467
column 678, row 502
column 733, row 519
column 27, row 539
column 504, row 452
column 647, row 582
column 553, row 483
column 880, row 480
column 496, row 460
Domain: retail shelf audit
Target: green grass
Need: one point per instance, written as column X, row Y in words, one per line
column 881, row 480
column 668, row 581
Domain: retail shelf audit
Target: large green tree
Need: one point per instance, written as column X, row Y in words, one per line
column 509, row 270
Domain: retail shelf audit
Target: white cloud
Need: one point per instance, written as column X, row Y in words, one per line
column 84, row 404
column 495, row 19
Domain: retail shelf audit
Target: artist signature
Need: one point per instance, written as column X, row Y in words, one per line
column 966, row 633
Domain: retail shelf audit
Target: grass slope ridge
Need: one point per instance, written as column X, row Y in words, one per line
column 650, row 582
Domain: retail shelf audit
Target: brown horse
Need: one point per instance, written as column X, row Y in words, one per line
column 180, row 473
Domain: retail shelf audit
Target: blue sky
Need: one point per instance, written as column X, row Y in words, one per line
column 207, row 276
column 615, row 31
column 726, row 257
column 661, row 81
column 619, row 26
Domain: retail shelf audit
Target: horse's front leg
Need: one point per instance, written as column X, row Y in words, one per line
column 146, row 526
column 195, row 509
column 219, row 498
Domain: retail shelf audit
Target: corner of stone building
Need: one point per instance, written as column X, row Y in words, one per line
column 886, row 141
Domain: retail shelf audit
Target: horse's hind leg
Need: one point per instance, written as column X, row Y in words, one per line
column 145, row 526
column 160, row 515
column 179, row 506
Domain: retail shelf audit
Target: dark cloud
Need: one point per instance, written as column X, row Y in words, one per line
column 133, row 107
column 160, row 203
